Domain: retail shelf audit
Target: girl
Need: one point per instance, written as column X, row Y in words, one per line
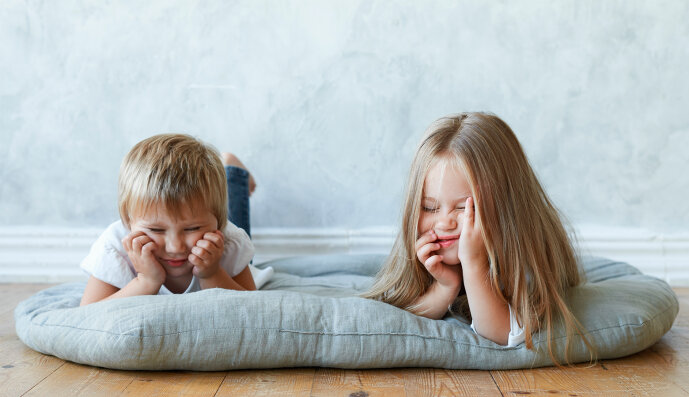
column 480, row 234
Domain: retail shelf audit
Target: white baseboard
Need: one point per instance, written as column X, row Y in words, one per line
column 29, row 254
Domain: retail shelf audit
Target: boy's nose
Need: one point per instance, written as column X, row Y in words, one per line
column 174, row 245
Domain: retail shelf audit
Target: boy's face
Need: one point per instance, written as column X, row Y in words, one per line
column 175, row 234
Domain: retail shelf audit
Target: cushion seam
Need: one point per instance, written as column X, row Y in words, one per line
column 335, row 334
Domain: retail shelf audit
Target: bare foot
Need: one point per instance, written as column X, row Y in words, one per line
column 231, row 159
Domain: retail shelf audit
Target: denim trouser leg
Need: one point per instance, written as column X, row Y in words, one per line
column 238, row 195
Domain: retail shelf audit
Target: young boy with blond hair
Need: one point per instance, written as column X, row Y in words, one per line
column 173, row 235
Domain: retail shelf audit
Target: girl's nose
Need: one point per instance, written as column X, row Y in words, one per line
column 447, row 221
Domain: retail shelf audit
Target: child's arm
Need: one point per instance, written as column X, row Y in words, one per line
column 205, row 257
column 448, row 279
column 149, row 279
column 489, row 312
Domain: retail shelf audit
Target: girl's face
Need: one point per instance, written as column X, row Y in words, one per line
column 445, row 191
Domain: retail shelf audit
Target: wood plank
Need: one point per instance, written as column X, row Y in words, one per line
column 178, row 383
column 639, row 374
column 673, row 351
column 279, row 382
column 82, row 380
column 658, row 370
column 357, row 383
column 22, row 368
column 440, row 382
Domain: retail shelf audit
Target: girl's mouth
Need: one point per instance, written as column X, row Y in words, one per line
column 446, row 241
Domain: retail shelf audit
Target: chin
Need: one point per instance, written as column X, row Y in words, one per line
column 179, row 272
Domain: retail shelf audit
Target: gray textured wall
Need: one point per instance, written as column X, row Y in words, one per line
column 326, row 100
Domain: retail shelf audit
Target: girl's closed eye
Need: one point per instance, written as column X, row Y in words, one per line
column 155, row 230
column 192, row 229
column 429, row 209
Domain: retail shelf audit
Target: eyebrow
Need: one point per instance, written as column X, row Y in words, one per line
column 463, row 198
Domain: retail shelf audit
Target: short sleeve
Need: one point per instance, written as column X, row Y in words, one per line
column 107, row 261
column 516, row 335
column 239, row 250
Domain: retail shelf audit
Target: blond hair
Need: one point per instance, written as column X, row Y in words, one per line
column 173, row 170
column 532, row 261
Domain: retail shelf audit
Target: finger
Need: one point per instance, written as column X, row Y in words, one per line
column 426, row 251
column 196, row 261
column 425, row 238
column 210, row 238
column 469, row 212
column 139, row 242
column 432, row 264
column 201, row 253
column 127, row 241
column 147, row 250
column 206, row 244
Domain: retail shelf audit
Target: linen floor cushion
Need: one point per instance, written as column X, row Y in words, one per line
column 308, row 314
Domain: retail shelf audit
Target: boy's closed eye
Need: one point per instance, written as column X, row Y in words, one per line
column 187, row 229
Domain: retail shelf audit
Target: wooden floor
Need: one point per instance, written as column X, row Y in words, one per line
column 662, row 370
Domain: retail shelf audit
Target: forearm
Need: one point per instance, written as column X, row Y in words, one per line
column 97, row 290
column 434, row 303
column 137, row 287
column 221, row 280
column 490, row 314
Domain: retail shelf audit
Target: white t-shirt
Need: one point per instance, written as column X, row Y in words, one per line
column 516, row 335
column 108, row 261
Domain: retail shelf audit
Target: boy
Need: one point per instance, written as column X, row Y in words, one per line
column 173, row 236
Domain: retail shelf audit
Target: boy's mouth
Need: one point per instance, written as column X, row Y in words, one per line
column 446, row 241
column 175, row 262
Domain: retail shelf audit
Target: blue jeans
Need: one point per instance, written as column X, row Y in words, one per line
column 238, row 197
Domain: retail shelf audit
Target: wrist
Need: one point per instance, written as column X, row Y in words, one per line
column 217, row 279
column 150, row 285
column 475, row 266
column 448, row 291
column 206, row 273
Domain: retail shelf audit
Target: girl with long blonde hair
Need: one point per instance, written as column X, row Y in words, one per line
column 480, row 236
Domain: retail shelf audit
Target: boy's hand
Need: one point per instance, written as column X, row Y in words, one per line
column 472, row 251
column 206, row 254
column 446, row 275
column 140, row 250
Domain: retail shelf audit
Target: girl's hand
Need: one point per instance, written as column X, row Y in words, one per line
column 140, row 250
column 446, row 275
column 206, row 254
column 472, row 251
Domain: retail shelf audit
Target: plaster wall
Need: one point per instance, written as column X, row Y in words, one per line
column 325, row 101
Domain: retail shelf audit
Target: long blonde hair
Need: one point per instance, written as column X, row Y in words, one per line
column 532, row 261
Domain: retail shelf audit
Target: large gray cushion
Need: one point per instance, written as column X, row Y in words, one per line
column 308, row 315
